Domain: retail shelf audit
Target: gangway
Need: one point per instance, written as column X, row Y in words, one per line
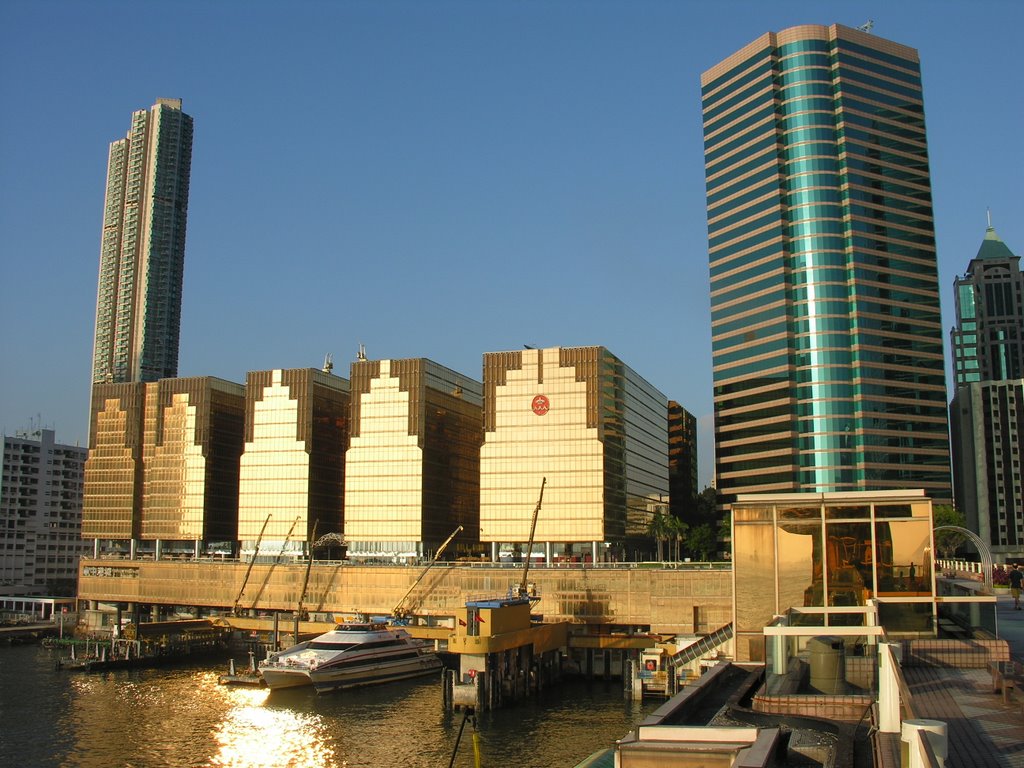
column 699, row 648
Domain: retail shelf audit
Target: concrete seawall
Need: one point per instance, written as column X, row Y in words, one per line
column 669, row 600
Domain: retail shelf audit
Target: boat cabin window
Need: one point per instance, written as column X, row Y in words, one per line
column 330, row 646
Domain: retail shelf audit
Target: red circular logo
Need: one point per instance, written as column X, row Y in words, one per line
column 541, row 405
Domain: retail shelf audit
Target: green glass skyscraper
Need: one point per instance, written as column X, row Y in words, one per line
column 826, row 332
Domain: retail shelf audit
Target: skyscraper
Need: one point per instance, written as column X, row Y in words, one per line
column 987, row 413
column 988, row 341
column 826, row 333
column 142, row 254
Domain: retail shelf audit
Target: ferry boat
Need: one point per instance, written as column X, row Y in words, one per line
column 349, row 656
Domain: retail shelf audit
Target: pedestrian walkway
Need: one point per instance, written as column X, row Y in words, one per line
column 982, row 731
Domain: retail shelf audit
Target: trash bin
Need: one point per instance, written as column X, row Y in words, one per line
column 828, row 664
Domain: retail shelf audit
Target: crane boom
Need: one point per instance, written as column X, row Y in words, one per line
column 245, row 580
column 397, row 610
column 529, row 545
column 309, row 564
column 274, row 564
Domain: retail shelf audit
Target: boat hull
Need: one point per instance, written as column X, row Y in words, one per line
column 328, row 680
column 285, row 678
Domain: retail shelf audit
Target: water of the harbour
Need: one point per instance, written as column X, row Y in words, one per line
column 170, row 718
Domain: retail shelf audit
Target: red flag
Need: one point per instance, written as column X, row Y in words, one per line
column 478, row 619
column 462, row 623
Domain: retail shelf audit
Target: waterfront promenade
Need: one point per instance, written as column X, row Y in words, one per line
column 983, row 732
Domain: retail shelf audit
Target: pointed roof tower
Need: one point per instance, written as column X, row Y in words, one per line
column 992, row 247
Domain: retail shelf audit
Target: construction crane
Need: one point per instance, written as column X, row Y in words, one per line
column 309, row 564
column 398, row 611
column 529, row 544
column 245, row 580
column 273, row 565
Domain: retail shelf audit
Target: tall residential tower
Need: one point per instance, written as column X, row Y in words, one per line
column 142, row 254
column 826, row 333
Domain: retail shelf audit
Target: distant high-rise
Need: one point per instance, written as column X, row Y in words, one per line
column 987, row 413
column 682, row 460
column 826, row 331
column 40, row 514
column 988, row 341
column 142, row 254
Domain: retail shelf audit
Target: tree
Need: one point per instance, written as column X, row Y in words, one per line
column 702, row 542
column 706, row 508
column 948, row 542
column 658, row 530
column 675, row 531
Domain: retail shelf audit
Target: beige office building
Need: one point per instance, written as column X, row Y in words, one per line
column 594, row 429
column 412, row 466
column 162, row 472
column 292, row 473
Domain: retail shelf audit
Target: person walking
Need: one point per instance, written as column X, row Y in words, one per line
column 1016, row 577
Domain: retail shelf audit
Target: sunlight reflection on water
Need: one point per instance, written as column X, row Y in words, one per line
column 182, row 718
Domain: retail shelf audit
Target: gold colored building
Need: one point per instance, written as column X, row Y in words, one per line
column 292, row 472
column 412, row 466
column 163, row 463
column 192, row 440
column 111, row 498
column 592, row 427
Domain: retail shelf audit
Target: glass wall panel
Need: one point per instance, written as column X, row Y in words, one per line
column 906, row 617
column 904, row 553
column 754, row 573
column 849, row 557
column 582, row 419
column 800, row 571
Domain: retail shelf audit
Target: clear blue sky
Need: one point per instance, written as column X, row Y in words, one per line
column 431, row 179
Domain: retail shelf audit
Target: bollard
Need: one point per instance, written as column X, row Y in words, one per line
column 910, row 750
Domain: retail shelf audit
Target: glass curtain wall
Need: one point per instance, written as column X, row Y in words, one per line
column 826, row 333
column 820, row 558
column 291, row 475
column 592, row 427
column 412, row 466
column 113, row 471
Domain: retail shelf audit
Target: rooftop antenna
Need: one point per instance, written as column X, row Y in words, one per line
column 988, row 214
column 328, row 363
column 361, row 354
column 867, row 26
